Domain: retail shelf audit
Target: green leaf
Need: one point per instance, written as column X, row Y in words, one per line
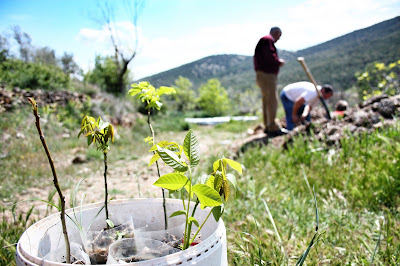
column 218, row 181
column 193, row 220
column 177, row 213
column 226, row 190
column 154, row 159
column 208, row 197
column 188, row 188
column 217, row 212
column 102, row 124
column 235, row 165
column 162, row 144
column 165, row 90
column 232, row 183
column 210, row 181
column 217, row 164
column 171, row 159
column 110, row 223
column 173, row 181
column 191, row 148
column 90, row 139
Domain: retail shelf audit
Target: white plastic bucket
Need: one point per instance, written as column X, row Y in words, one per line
column 46, row 235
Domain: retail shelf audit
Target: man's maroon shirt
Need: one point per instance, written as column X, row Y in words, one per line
column 266, row 56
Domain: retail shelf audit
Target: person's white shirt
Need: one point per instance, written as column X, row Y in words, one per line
column 303, row 89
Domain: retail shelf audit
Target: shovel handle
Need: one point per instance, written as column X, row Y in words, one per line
column 310, row 76
column 308, row 72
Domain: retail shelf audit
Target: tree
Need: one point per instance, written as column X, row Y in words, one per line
column 184, row 96
column 213, row 98
column 45, row 55
column 105, row 75
column 24, row 42
column 122, row 57
column 68, row 65
column 4, row 48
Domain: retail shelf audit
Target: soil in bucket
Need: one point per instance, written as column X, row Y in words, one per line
column 98, row 242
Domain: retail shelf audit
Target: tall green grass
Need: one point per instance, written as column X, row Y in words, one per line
column 357, row 188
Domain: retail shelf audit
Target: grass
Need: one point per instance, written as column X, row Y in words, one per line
column 272, row 220
column 357, row 189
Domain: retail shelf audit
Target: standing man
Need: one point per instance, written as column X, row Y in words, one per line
column 299, row 98
column 266, row 65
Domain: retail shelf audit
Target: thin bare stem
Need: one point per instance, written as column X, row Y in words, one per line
column 55, row 180
column 105, row 187
column 158, row 172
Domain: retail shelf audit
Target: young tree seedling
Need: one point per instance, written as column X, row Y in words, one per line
column 151, row 96
column 100, row 133
column 55, row 179
column 214, row 192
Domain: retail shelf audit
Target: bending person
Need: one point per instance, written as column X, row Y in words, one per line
column 299, row 98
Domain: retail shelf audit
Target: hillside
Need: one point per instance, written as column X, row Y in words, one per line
column 335, row 61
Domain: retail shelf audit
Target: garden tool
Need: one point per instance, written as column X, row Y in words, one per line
column 310, row 76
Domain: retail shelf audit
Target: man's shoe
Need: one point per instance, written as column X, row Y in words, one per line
column 276, row 133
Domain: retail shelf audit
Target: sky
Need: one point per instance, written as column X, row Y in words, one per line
column 170, row 33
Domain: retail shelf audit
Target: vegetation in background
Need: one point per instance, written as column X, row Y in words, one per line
column 378, row 78
column 184, row 98
column 105, row 75
column 213, row 98
column 16, row 73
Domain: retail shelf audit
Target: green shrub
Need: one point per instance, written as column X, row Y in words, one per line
column 378, row 78
column 213, row 99
column 15, row 73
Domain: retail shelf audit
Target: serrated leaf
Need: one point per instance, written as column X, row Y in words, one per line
column 172, row 160
column 207, row 196
column 226, row 189
column 218, row 181
column 173, row 181
column 217, row 212
column 235, row 165
column 154, row 159
column 193, row 220
column 177, row 213
column 191, row 148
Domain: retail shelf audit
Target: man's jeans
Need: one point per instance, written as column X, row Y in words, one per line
column 288, row 105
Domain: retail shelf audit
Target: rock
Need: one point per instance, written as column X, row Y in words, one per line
column 387, row 108
column 78, row 160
